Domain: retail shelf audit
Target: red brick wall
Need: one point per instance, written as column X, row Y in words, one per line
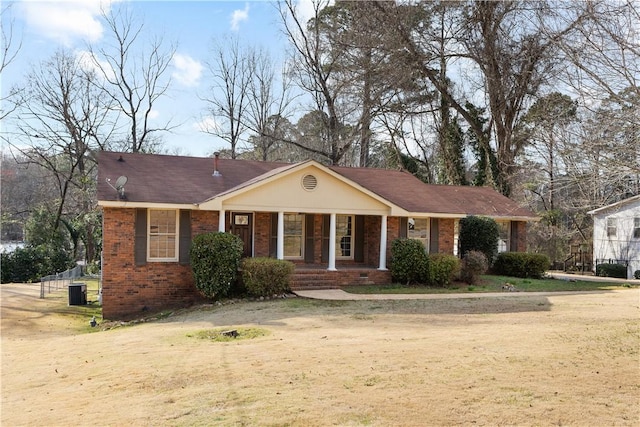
column 262, row 234
column 372, row 240
column 445, row 235
column 521, row 244
column 129, row 290
column 393, row 232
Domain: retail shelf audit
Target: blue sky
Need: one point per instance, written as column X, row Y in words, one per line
column 44, row 26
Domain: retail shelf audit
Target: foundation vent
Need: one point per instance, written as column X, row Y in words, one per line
column 309, row 182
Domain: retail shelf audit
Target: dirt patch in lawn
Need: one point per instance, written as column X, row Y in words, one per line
column 525, row 360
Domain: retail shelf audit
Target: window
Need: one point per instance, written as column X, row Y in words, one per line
column 612, row 228
column 344, row 236
column 456, row 237
column 418, row 229
column 504, row 228
column 163, row 235
column 636, row 228
column 293, row 235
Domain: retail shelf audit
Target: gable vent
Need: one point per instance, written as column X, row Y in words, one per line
column 309, row 182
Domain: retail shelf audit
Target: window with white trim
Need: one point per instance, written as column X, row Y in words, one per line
column 293, row 235
column 418, row 229
column 162, row 242
column 612, row 227
column 504, row 232
column 456, row 237
column 344, row 236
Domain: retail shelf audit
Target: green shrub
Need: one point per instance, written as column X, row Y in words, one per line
column 636, row 274
column 612, row 270
column 30, row 263
column 521, row 264
column 443, row 269
column 474, row 264
column 479, row 234
column 266, row 276
column 215, row 259
column 409, row 261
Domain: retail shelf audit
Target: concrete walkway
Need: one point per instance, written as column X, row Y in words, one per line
column 568, row 276
column 340, row 295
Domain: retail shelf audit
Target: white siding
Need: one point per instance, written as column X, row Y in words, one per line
column 623, row 245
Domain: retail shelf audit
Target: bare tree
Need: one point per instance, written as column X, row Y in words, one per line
column 268, row 96
column 315, row 67
column 228, row 99
column 8, row 53
column 62, row 116
column 134, row 79
column 603, row 54
column 546, row 125
column 511, row 64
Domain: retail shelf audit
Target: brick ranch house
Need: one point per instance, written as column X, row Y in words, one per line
column 335, row 223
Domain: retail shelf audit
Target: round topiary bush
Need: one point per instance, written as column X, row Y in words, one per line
column 474, row 264
column 443, row 269
column 479, row 234
column 409, row 261
column 636, row 274
column 215, row 258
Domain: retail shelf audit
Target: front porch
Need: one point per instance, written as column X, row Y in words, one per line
column 316, row 276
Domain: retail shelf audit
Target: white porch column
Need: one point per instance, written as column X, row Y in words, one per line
column 280, row 240
column 383, row 243
column 221, row 221
column 332, row 243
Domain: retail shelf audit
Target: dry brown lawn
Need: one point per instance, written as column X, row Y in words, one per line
column 516, row 360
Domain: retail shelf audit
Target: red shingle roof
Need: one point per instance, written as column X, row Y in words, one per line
column 188, row 180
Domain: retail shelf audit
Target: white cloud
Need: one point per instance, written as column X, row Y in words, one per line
column 66, row 21
column 305, row 10
column 154, row 114
column 238, row 16
column 206, row 124
column 89, row 62
column 187, row 70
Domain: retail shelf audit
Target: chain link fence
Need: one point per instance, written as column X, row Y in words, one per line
column 54, row 282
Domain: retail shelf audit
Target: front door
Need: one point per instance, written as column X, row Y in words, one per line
column 241, row 226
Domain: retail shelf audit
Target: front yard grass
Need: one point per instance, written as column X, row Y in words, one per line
column 490, row 283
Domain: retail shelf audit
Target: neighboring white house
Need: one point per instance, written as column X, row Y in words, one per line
column 616, row 233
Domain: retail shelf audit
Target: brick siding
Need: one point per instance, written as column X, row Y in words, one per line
column 445, row 235
column 129, row 290
column 521, row 244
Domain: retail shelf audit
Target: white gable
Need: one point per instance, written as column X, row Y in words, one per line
column 310, row 188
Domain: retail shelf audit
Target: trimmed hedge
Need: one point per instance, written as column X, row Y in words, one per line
column 409, row 261
column 266, row 276
column 215, row 259
column 443, row 269
column 521, row 264
column 611, row 270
